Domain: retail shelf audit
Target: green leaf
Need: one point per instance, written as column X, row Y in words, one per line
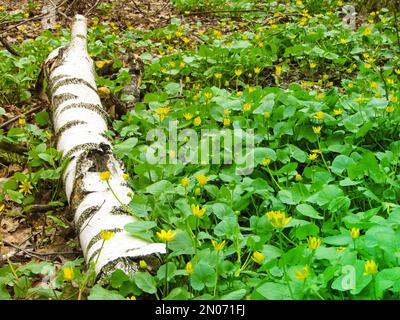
column 308, row 211
column 272, row 291
column 202, row 276
column 160, row 187
column 145, row 282
column 99, row 293
column 178, row 294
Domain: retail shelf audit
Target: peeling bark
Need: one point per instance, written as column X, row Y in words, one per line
column 80, row 123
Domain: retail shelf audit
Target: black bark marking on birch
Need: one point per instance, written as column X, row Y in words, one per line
column 94, row 254
column 80, row 147
column 97, row 108
column 67, row 126
column 70, row 81
column 62, row 97
column 85, row 215
column 82, row 36
column 119, row 211
column 97, row 238
column 52, row 81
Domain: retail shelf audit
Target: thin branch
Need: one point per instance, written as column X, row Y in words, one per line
column 92, row 7
column 19, row 116
column 8, row 47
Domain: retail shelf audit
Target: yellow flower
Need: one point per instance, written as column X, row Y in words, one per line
column 298, row 177
column 313, row 65
column 106, row 235
column 198, row 211
column 131, row 298
column 312, row 156
column 317, row 130
column 2, row 206
column 359, row 99
column 25, row 187
column 303, row 273
column 370, row 268
column 142, row 264
column 208, row 95
column 218, row 75
column 338, row 112
column 185, row 182
column 172, row 64
column 351, row 86
column 394, row 99
column 197, row 121
column 188, row 116
column 189, row 267
column 104, row 176
column 166, row 235
column 278, row 218
column 2, row 8
column 314, row 243
column 278, row 71
column 125, row 176
column 68, row 273
column 266, row 162
column 202, row 179
column 319, row 115
column 355, row 233
column 162, row 112
column 390, row 81
column 315, row 151
column 343, row 41
column 22, row 120
column 100, row 64
column 218, row 246
column 197, row 191
column 258, row 257
column 397, row 71
column 367, row 31
column 341, row 249
column 238, row 72
column 178, row 34
column 257, row 70
column 246, row 107
column 267, row 114
column 389, row 109
column 227, row 121
column 187, row 79
column 367, row 66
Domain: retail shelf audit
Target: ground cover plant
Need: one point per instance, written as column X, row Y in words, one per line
column 317, row 218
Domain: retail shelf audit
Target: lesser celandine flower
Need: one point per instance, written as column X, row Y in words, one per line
column 317, row 130
column 258, row 257
column 319, row 115
column 354, row 233
column 188, row 116
column 227, row 121
column 68, row 273
column 125, row 176
column 313, row 65
column 218, row 75
column 142, row 264
column 2, row 206
column 312, row 156
column 257, row 70
column 313, row 243
column 278, row 70
column 198, row 211
column 246, row 107
column 218, row 246
column 303, row 273
column 185, row 182
column 22, row 120
column 189, row 267
column 389, row 109
column 162, row 112
column 298, row 177
column 266, row 162
column 166, row 235
column 278, row 218
column 106, row 234
column 359, row 99
column 202, row 179
column 197, row 121
column 338, row 112
column 25, row 187
column 105, row 175
column 238, row 72
column 370, row 268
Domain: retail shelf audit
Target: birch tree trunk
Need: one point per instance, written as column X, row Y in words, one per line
column 80, row 123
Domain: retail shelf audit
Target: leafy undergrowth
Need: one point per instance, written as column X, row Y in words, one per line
column 318, row 216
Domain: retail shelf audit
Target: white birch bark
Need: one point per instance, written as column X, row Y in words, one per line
column 80, row 123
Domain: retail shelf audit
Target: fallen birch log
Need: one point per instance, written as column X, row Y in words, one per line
column 80, row 123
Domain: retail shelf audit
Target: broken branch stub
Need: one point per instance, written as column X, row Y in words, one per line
column 80, row 123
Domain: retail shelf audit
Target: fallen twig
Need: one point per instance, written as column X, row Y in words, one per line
column 19, row 116
column 8, row 47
